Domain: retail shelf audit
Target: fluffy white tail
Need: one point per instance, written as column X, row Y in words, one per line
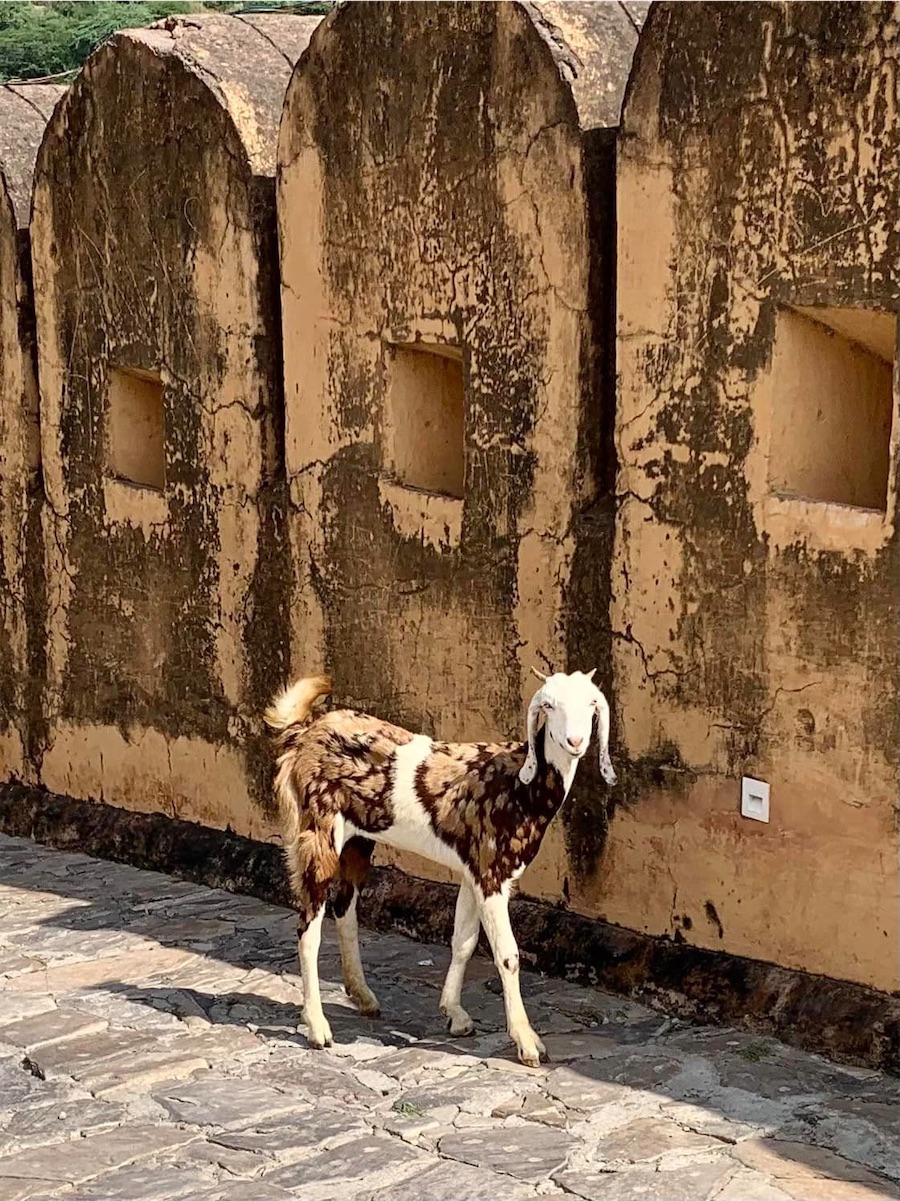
column 293, row 706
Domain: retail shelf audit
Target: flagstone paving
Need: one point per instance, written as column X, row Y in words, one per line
column 150, row 1050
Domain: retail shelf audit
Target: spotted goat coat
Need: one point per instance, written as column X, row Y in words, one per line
column 349, row 780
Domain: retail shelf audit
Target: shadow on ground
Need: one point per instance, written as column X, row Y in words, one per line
column 624, row 1084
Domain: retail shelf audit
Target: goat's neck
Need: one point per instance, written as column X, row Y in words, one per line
column 555, row 773
column 566, row 765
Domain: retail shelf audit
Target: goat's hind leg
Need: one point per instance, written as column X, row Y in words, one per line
column 309, row 928
column 465, row 939
column 354, row 864
column 313, row 863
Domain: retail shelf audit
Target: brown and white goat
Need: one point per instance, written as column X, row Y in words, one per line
column 348, row 780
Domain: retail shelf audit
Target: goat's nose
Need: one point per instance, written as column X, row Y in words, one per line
column 575, row 743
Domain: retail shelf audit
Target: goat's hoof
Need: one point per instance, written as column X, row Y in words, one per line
column 367, row 1004
column 533, row 1054
column 319, row 1037
column 461, row 1027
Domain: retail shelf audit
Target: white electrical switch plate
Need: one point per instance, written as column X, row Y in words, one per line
column 754, row 799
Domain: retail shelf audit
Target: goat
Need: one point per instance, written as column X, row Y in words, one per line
column 348, row 780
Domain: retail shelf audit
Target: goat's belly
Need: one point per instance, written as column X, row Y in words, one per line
column 421, row 841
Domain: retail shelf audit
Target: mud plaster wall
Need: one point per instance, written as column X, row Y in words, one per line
column 24, row 111
column 153, row 245
column 433, row 177
column 754, row 633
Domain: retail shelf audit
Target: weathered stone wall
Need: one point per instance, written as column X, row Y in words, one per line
column 424, row 463
column 161, row 417
column 756, row 623
column 24, row 111
column 446, row 378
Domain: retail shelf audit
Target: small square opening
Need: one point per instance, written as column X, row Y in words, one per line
column 136, row 447
column 833, row 401
column 424, row 421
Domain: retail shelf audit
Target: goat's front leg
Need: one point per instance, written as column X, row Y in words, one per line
column 495, row 919
column 318, row 1031
column 465, row 940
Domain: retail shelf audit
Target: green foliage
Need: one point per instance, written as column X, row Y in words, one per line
column 50, row 37
column 753, row 1052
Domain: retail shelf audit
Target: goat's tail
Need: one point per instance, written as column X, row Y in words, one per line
column 309, row 852
column 293, row 706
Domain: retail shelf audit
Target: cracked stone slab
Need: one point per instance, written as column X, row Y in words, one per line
column 12, row 1189
column 581, row 1044
column 310, row 1079
column 786, row 1077
column 75, row 1162
column 16, row 1006
column 529, row 1152
column 455, row 1182
column 362, row 1165
column 51, row 1027
column 588, row 1083
column 17, row 964
column 410, row 1061
column 19, row 1087
column 691, row 1182
column 40, row 1125
column 809, row 1173
column 708, row 1120
column 142, row 1182
column 650, row 1138
column 745, row 1185
column 355, row 1126
column 533, row 1107
column 225, row 1103
column 257, row 1190
column 475, row 1092
column 147, row 1182
column 290, row 1135
column 132, row 968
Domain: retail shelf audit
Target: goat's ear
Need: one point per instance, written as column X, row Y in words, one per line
column 528, row 769
column 601, row 706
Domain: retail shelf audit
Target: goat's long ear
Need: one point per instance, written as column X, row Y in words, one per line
column 528, row 769
column 601, row 707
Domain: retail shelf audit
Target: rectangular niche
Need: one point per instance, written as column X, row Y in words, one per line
column 832, row 397
column 136, row 445
column 424, row 420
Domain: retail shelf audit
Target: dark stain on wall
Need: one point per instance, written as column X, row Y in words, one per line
column 411, row 209
column 769, row 66
column 143, row 617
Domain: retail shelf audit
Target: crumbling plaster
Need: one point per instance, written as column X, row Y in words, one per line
column 439, row 193
column 153, row 235
column 24, row 110
column 754, row 634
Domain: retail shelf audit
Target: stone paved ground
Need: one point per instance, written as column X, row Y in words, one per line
column 148, row 1050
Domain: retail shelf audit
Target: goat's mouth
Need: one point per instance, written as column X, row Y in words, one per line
column 567, row 749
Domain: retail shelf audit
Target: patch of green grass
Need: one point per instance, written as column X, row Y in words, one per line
column 409, row 1109
column 753, row 1052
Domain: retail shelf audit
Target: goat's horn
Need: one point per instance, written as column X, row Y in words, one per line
column 535, row 672
column 590, row 674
